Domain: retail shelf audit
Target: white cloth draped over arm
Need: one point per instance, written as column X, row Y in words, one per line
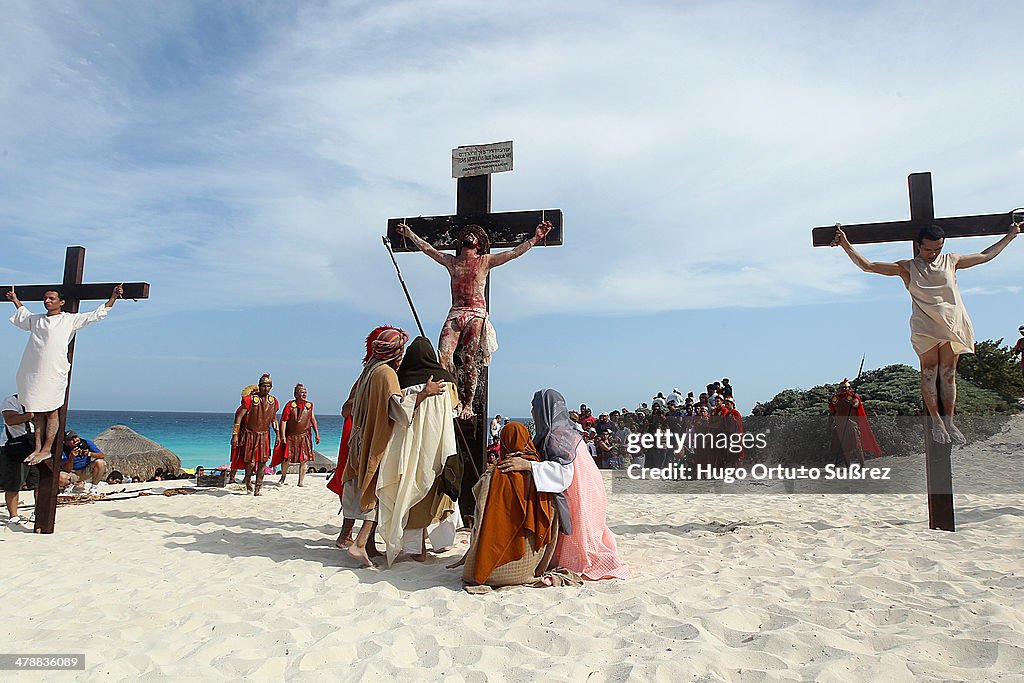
column 551, row 477
column 21, row 318
column 401, row 408
column 83, row 319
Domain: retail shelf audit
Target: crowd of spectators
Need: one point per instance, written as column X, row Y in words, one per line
column 608, row 435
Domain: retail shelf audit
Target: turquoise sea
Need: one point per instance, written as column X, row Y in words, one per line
column 196, row 438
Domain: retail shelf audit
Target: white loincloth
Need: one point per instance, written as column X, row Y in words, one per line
column 461, row 316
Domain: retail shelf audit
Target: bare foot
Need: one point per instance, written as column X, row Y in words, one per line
column 461, row 562
column 372, row 551
column 280, row 482
column 343, row 541
column 939, row 433
column 360, row 555
column 256, row 492
column 955, row 434
column 420, row 557
column 300, row 484
column 36, row 458
column 248, row 486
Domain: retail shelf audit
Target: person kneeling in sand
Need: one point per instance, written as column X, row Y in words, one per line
column 514, row 541
column 586, row 545
column 377, row 404
column 87, row 461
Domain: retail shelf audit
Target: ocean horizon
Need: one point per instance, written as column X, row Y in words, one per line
column 196, row 438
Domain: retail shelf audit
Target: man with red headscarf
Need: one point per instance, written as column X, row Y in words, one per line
column 848, row 422
column 376, row 404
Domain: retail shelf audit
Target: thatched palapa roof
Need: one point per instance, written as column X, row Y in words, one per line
column 321, row 460
column 134, row 455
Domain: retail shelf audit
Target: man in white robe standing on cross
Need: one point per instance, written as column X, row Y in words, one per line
column 42, row 378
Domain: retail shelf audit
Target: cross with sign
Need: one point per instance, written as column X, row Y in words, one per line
column 74, row 291
column 506, row 229
column 922, row 214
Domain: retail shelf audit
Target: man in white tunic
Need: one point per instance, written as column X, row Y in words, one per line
column 42, row 378
column 940, row 330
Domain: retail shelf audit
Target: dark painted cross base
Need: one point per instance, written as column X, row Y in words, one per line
column 74, row 292
column 939, row 471
column 939, row 474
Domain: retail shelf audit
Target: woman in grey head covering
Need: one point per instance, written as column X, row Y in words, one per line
column 588, row 546
column 556, row 438
column 556, row 441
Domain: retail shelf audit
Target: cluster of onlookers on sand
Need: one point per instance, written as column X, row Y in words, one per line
column 608, row 435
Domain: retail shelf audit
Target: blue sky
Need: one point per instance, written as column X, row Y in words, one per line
column 243, row 158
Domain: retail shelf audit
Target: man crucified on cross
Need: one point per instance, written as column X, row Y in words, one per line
column 940, row 330
column 468, row 329
column 42, row 378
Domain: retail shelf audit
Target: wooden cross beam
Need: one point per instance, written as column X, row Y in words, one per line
column 939, row 472
column 922, row 213
column 74, row 291
column 508, row 229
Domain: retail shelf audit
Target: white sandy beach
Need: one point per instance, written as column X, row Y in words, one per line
column 219, row 585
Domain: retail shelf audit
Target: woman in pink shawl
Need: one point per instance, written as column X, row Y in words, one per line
column 586, row 545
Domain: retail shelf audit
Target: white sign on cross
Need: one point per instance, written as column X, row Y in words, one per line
column 471, row 160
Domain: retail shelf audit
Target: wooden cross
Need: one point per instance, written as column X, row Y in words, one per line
column 73, row 291
column 938, row 466
column 506, row 229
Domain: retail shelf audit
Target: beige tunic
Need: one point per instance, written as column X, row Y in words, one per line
column 938, row 310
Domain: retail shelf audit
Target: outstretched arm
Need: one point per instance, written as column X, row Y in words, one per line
column 880, row 267
column 504, row 257
column 118, row 292
column 986, row 255
column 424, row 246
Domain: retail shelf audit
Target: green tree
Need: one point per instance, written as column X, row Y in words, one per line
column 797, row 418
column 992, row 366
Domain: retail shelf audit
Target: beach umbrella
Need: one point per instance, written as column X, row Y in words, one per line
column 134, row 455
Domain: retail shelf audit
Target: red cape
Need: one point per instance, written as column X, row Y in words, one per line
column 280, row 453
column 335, row 483
column 737, row 417
column 236, row 461
column 868, row 442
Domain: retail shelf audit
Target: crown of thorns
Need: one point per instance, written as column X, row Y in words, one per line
column 483, row 241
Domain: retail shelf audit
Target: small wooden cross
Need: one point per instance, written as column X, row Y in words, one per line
column 938, row 465
column 74, row 291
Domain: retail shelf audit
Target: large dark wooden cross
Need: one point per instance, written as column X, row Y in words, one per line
column 506, row 229
column 938, row 466
column 74, row 292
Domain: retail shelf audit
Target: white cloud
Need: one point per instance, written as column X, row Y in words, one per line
column 690, row 146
